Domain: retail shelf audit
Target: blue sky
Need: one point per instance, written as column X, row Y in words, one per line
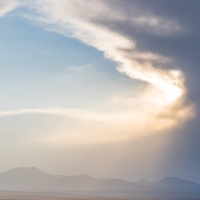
column 38, row 65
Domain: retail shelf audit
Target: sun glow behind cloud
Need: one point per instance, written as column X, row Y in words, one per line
column 160, row 102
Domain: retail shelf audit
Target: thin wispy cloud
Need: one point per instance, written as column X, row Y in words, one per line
column 7, row 6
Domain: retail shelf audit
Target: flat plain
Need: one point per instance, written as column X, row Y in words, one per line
column 69, row 196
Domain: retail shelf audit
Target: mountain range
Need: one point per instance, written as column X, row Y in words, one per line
column 34, row 180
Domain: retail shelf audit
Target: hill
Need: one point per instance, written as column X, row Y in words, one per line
column 34, row 180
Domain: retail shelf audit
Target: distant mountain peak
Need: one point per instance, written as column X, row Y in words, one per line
column 176, row 182
column 86, row 176
column 173, row 180
column 144, row 182
column 26, row 169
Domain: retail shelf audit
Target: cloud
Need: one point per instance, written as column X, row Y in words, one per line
column 72, row 141
column 7, row 6
column 123, row 132
column 70, row 19
column 113, row 28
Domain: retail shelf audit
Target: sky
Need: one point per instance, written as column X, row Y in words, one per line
column 101, row 87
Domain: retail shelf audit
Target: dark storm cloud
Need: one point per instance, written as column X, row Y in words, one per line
column 184, row 51
column 183, row 48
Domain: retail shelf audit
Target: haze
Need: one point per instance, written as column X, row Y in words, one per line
column 101, row 87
